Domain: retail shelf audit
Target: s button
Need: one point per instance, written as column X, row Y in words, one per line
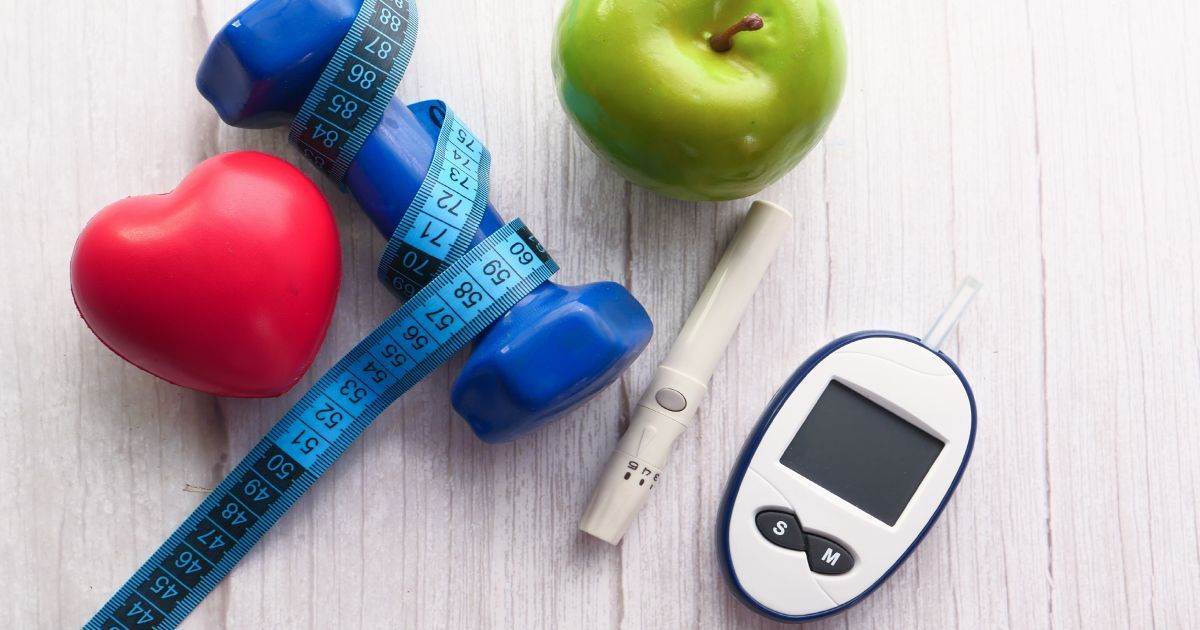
column 781, row 528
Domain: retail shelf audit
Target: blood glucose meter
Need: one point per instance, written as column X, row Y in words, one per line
column 846, row 471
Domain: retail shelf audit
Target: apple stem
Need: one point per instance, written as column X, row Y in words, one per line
column 724, row 42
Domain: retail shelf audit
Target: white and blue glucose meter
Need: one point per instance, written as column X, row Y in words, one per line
column 846, row 471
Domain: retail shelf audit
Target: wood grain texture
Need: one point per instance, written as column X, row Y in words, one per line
column 1051, row 148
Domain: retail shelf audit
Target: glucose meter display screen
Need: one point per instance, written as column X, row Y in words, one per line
column 862, row 452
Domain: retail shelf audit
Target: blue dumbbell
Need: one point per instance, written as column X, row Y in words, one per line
column 553, row 350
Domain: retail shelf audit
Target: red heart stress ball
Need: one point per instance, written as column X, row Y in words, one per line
column 226, row 285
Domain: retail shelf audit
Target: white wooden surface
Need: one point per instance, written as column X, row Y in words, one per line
column 1050, row 147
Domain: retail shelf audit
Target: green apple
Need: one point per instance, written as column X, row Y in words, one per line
column 700, row 99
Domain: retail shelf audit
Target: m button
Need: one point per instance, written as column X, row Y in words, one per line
column 827, row 557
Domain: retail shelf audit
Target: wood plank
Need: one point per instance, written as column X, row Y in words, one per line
column 100, row 451
column 1118, row 174
column 997, row 539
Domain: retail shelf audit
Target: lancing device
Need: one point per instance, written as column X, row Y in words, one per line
column 681, row 381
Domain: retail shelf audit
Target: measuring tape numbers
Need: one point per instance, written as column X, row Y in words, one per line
column 446, row 211
column 357, row 85
column 453, row 293
column 439, row 321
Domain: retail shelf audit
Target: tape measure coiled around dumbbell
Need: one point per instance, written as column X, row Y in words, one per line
column 446, row 211
column 354, row 90
column 452, row 297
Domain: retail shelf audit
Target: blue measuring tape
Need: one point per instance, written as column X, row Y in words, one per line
column 454, row 293
column 446, row 211
column 442, row 319
column 357, row 85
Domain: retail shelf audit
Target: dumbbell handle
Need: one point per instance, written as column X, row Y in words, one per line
column 391, row 166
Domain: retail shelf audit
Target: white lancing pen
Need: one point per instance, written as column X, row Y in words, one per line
column 670, row 402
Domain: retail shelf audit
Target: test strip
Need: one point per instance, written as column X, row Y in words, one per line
column 954, row 311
